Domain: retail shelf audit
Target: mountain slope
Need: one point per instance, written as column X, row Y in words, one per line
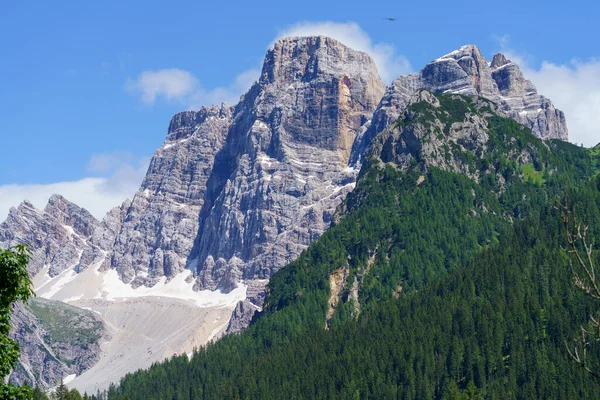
column 443, row 272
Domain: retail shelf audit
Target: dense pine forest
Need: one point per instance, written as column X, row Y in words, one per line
column 454, row 284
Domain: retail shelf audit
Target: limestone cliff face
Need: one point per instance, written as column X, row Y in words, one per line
column 152, row 235
column 235, row 193
column 284, row 166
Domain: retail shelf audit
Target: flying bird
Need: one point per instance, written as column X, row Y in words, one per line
column 391, row 19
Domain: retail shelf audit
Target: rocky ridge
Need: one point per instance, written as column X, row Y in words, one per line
column 56, row 236
column 465, row 71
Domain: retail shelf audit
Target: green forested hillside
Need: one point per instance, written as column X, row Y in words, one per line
column 454, row 284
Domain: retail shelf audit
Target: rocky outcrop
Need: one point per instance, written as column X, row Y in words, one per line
column 242, row 316
column 59, row 340
column 100, row 246
column 520, row 100
column 56, row 236
column 465, row 71
column 452, row 133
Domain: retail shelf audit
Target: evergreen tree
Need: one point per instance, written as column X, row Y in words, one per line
column 15, row 285
column 39, row 394
column 61, row 392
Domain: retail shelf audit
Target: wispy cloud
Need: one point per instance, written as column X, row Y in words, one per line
column 183, row 87
column 172, row 84
column 389, row 64
column 573, row 87
column 123, row 172
column 116, row 177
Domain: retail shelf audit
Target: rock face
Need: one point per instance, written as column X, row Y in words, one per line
column 465, row 71
column 57, row 235
column 284, row 166
column 60, row 340
column 431, row 139
column 152, row 235
column 520, row 100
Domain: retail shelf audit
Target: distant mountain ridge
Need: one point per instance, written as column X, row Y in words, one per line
column 235, row 193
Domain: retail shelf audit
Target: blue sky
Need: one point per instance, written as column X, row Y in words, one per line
column 88, row 88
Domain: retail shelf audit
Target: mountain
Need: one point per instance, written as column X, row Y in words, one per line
column 235, row 193
column 270, row 179
column 443, row 276
column 263, row 177
column 57, row 235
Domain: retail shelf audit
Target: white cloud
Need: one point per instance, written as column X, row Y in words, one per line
column 125, row 171
column 573, row 87
column 107, row 162
column 122, row 172
column 389, row 64
column 183, row 87
column 173, row 84
column 229, row 94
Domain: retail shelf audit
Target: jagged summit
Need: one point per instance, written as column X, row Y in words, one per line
column 258, row 181
column 56, row 235
column 293, row 59
column 469, row 50
column 499, row 60
column 465, row 71
column 70, row 214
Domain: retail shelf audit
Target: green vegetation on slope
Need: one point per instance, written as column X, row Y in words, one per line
column 65, row 323
column 463, row 288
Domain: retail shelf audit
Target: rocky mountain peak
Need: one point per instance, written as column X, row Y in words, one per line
column 466, row 53
column 499, row 60
column 284, row 166
column 510, row 79
column 301, row 59
column 70, row 214
column 465, row 71
column 57, row 235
